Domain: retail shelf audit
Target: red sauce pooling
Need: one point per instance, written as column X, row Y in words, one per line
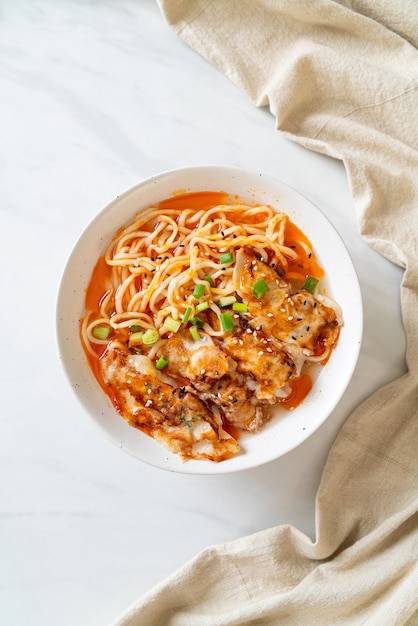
column 197, row 200
column 306, row 264
column 300, row 388
column 98, row 284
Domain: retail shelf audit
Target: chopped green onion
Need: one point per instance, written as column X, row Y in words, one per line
column 135, row 350
column 101, row 332
column 202, row 306
column 197, row 321
column 135, row 328
column 310, row 284
column 241, row 307
column 260, row 288
column 162, row 362
column 171, row 324
column 135, row 339
column 199, row 290
column 209, row 279
column 227, row 322
column 194, row 333
column 150, row 336
column 186, row 315
column 228, row 257
column 226, row 301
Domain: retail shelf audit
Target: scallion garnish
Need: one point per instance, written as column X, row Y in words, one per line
column 135, row 339
column 228, row 257
column 260, row 288
column 171, row 324
column 226, row 301
column 209, row 280
column 198, row 291
column 202, row 306
column 310, row 284
column 197, row 321
column 241, row 307
column 135, row 328
column 101, row 332
column 227, row 323
column 186, row 315
column 194, row 333
column 150, row 336
column 162, row 362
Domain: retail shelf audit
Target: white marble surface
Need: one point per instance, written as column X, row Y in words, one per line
column 96, row 96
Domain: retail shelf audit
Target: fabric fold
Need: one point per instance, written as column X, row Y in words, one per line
column 340, row 78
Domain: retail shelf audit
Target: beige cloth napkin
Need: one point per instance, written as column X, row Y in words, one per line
column 340, row 78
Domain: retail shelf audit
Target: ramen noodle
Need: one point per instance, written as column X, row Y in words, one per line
column 201, row 316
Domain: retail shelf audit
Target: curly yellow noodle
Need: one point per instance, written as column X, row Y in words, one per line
column 157, row 260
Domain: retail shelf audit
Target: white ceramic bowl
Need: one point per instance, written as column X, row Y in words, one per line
column 287, row 430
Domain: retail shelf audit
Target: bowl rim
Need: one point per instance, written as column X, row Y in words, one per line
column 153, row 183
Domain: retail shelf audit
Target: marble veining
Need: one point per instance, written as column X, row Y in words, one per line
column 96, row 96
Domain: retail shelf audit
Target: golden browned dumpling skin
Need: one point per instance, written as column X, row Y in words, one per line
column 173, row 416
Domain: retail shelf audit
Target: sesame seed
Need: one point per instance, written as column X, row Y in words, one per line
column 269, row 314
column 283, row 310
column 148, row 403
column 269, row 350
column 260, row 353
column 149, row 391
column 241, row 343
column 202, row 371
column 290, row 318
column 249, row 331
